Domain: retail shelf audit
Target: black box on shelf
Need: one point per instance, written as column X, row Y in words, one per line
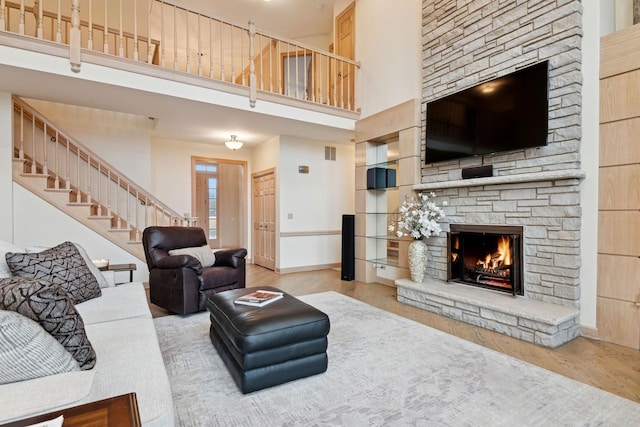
column 376, row 178
column 391, row 178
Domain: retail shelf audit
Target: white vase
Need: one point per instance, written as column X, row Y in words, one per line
column 418, row 254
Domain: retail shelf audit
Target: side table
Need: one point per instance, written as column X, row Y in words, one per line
column 121, row 411
column 120, row 267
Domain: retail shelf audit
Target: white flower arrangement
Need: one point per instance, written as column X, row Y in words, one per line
column 418, row 217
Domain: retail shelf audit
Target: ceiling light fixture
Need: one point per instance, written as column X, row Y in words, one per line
column 233, row 144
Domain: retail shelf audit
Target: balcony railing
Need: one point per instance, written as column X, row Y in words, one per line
column 173, row 36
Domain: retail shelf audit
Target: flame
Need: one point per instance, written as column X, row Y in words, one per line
column 501, row 257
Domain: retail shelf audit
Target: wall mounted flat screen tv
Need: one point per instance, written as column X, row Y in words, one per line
column 504, row 114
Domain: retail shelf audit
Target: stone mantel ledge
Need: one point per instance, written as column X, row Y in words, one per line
column 504, row 179
column 538, row 322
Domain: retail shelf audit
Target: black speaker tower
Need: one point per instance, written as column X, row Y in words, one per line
column 348, row 248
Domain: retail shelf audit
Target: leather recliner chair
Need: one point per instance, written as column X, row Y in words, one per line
column 179, row 283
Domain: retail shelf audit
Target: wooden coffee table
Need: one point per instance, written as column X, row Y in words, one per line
column 114, row 411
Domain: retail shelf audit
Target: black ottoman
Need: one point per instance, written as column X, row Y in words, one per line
column 270, row 345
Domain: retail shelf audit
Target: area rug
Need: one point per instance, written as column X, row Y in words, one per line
column 384, row 370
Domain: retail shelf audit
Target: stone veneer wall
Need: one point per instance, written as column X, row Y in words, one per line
column 466, row 42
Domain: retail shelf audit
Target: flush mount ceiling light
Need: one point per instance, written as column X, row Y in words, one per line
column 233, row 144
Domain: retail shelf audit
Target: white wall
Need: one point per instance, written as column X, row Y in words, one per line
column 6, row 147
column 171, row 168
column 108, row 134
column 313, row 204
column 389, row 46
column 38, row 223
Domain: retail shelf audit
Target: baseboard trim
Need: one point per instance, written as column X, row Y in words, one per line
column 307, row 268
column 589, row 332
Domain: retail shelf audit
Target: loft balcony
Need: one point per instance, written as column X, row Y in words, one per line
column 164, row 39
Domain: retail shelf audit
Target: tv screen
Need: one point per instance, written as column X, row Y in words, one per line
column 504, row 114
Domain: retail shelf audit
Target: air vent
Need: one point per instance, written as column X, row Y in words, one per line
column 329, row 153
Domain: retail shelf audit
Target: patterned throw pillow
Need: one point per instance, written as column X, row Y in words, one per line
column 27, row 351
column 52, row 307
column 61, row 265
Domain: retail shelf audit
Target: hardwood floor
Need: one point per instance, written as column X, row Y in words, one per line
column 609, row 367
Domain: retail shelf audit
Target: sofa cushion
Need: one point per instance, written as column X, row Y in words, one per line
column 61, row 265
column 4, row 248
column 124, row 301
column 217, row 277
column 51, row 306
column 204, row 254
column 27, row 351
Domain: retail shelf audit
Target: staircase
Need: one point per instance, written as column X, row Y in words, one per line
column 75, row 180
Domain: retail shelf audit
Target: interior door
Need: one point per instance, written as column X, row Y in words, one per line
column 264, row 219
column 345, row 46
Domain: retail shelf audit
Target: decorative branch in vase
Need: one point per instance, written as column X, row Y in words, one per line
column 418, row 218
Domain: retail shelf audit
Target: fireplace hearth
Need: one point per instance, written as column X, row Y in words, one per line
column 486, row 256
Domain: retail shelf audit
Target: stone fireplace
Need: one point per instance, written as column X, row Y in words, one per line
column 486, row 256
column 535, row 190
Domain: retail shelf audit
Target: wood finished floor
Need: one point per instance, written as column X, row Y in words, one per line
column 609, row 367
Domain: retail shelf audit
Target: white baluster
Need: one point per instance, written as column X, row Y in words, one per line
column 199, row 48
column 68, row 164
column 75, row 36
column 21, row 150
column 90, row 35
column 56, row 183
column 88, row 178
column 109, row 183
column 21, row 23
column 45, row 150
column 149, row 50
column 3, row 21
column 33, row 143
column 252, row 67
column 210, row 48
column 221, row 53
column 135, row 29
column 105, row 47
column 175, row 39
column 119, row 213
column 37, row 10
column 128, row 206
column 233, row 71
column 186, row 21
column 162, row 50
column 121, row 41
column 99, row 197
column 78, row 194
column 59, row 25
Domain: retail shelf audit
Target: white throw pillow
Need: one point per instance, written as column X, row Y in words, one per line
column 4, row 248
column 204, row 254
column 27, row 351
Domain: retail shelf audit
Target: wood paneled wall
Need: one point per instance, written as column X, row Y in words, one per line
column 618, row 301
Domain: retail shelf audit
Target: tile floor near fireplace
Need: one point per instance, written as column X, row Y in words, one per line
column 545, row 324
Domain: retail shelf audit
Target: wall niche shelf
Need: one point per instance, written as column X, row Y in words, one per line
column 387, row 166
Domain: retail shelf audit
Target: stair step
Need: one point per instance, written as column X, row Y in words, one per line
column 100, row 217
column 80, row 204
column 58, row 190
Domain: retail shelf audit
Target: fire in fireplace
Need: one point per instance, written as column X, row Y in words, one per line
column 486, row 256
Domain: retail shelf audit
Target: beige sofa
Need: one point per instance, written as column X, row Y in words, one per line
column 120, row 328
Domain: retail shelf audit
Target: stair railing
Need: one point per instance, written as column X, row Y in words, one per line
column 90, row 180
column 180, row 38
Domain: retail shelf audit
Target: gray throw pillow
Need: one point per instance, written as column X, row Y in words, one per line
column 27, row 351
column 61, row 265
column 51, row 306
column 204, row 254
